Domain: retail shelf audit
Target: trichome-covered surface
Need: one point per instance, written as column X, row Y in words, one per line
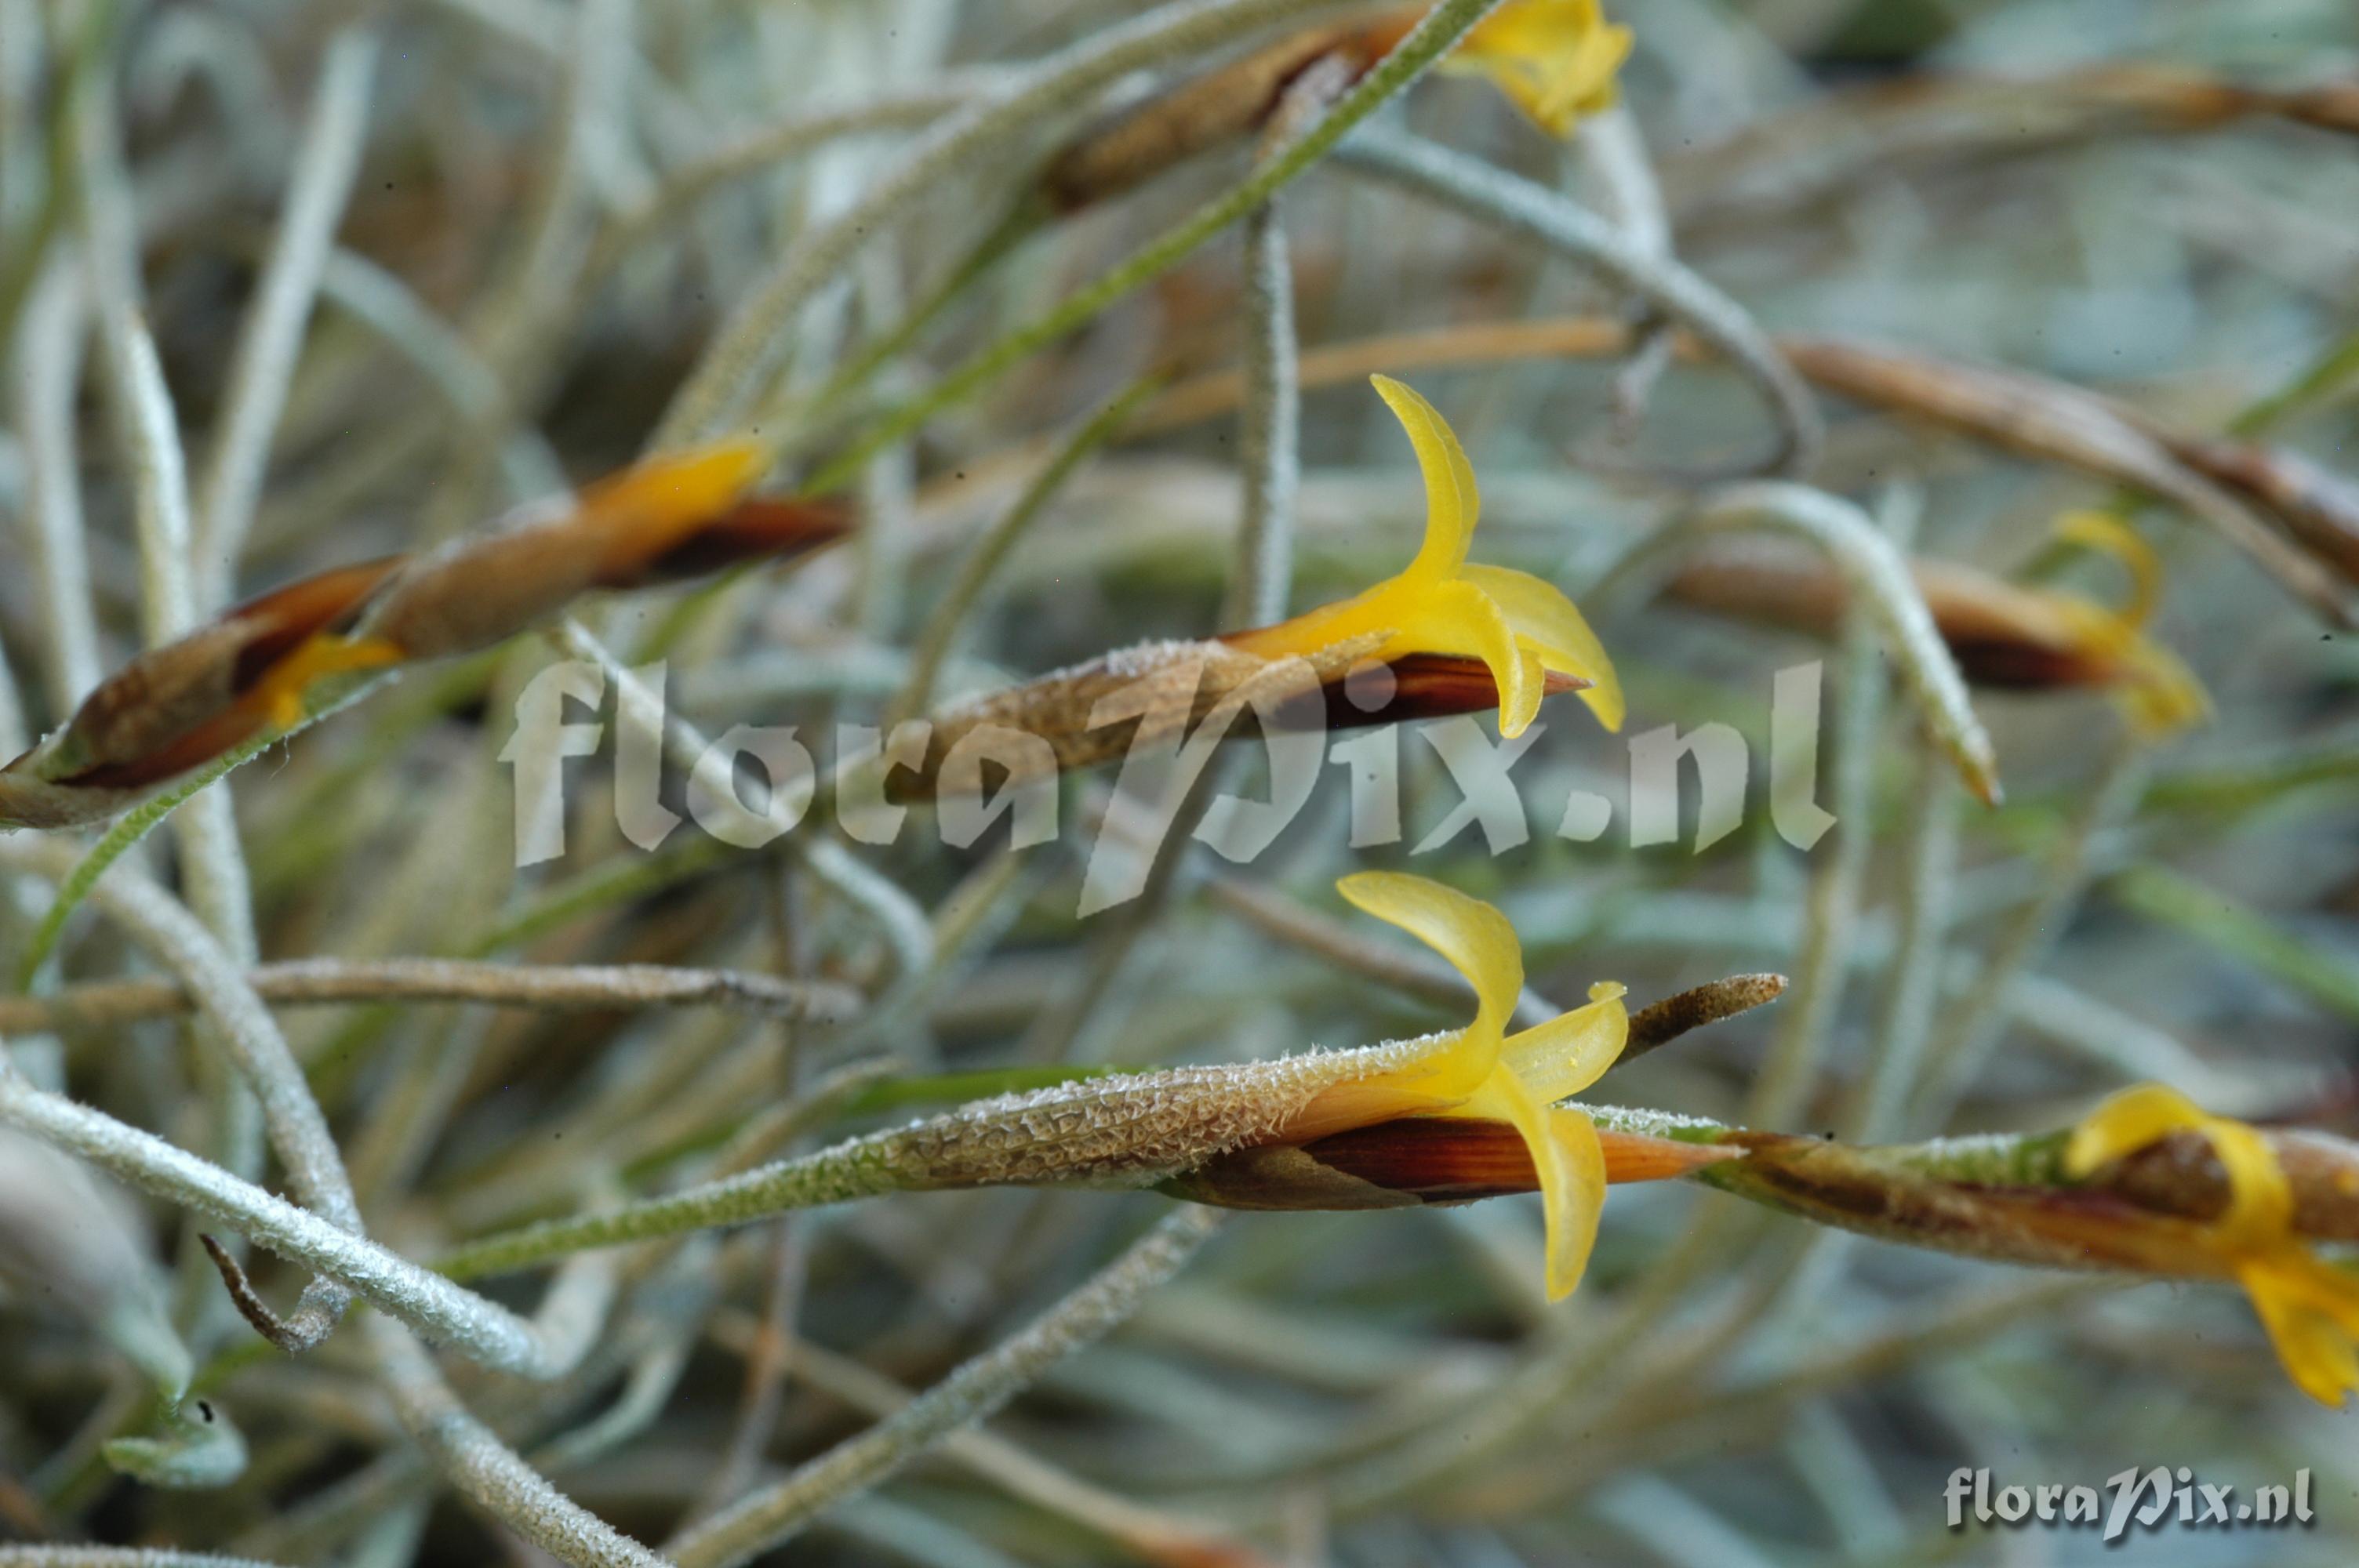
column 393, row 1171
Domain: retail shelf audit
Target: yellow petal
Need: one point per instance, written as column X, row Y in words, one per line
column 1452, row 504
column 2310, row 1308
column 2126, row 1122
column 1571, row 1165
column 2315, row 1345
column 2108, row 535
column 2160, row 693
column 1555, row 60
column 1475, row 937
column 666, row 496
column 280, row 694
column 1543, row 617
column 1459, row 618
column 2260, row 1204
column 1571, row 1051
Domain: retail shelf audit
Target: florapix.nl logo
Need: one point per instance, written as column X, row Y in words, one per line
column 2151, row 1499
column 751, row 784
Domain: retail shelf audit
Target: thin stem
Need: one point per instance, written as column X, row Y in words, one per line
column 1269, row 430
column 1156, row 1535
column 1973, row 1028
column 118, row 841
column 2325, row 972
column 948, row 617
column 765, row 149
column 1879, row 580
column 1492, row 195
column 488, row 1471
column 49, row 371
column 895, row 913
column 741, row 354
column 13, row 734
column 1831, row 909
column 1433, row 35
column 263, row 364
column 119, row 1557
column 213, row 860
column 216, row 988
column 211, row 970
column 1913, row 993
column 324, row 982
column 479, row 1329
column 971, row 1394
column 861, row 1169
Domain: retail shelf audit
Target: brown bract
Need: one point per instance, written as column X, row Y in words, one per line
column 1418, row 1160
column 1098, row 712
column 256, row 669
column 476, row 593
column 2002, row 635
column 174, row 707
column 1219, row 107
column 2048, row 419
column 2145, row 1212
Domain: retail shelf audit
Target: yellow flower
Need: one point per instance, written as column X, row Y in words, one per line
column 2310, row 1307
column 1481, row 1071
column 1518, row 625
column 1554, row 59
column 2159, row 693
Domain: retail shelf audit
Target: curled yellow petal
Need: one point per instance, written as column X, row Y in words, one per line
column 1481, row 946
column 1544, row 621
column 1571, row 1165
column 1571, row 1051
column 1453, row 502
column 2260, row 1203
column 2106, row 534
column 1555, row 60
column 1475, row 937
column 2310, row 1307
column 1540, row 1066
column 2158, row 692
column 2126, row 1122
column 2311, row 1313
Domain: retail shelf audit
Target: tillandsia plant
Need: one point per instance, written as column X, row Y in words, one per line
column 1671, row 1106
column 270, row 665
column 1554, row 59
column 1443, row 636
column 2149, row 1183
column 2005, row 634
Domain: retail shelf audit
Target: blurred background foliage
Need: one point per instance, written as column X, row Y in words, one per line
column 1728, row 1388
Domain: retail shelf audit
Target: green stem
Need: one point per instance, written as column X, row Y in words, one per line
column 2213, row 918
column 118, row 842
column 1442, row 28
column 942, row 626
column 860, row 1169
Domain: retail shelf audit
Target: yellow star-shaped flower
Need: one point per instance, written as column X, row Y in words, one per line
column 1483, row 1073
column 1520, row 626
column 2310, row 1307
column 1555, row 60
